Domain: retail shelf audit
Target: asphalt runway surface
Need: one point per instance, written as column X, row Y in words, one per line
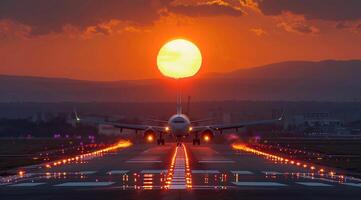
column 208, row 171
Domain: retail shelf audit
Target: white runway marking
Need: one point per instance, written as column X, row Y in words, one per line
column 144, row 161
column 316, row 178
column 87, row 172
column 205, row 172
column 216, row 161
column 314, row 184
column 178, row 181
column 272, row 173
column 84, row 184
column 263, row 184
column 177, row 187
column 31, row 184
column 353, row 184
column 242, row 172
column 151, row 171
column 117, row 172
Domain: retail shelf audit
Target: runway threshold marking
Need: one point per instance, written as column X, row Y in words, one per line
column 314, row 184
column 262, row 184
column 30, row 184
column 84, row 184
column 179, row 176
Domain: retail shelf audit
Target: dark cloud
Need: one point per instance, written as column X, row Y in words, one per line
column 206, row 9
column 46, row 16
column 334, row 10
column 298, row 27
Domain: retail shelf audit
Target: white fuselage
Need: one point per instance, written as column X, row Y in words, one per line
column 179, row 125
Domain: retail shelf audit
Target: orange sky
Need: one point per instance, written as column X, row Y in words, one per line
column 115, row 49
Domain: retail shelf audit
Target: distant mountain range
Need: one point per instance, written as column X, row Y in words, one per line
column 327, row 80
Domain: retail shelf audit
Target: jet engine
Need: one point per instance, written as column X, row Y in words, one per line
column 207, row 135
column 150, row 135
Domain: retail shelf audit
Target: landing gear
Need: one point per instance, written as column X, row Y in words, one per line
column 160, row 141
column 179, row 141
column 196, row 141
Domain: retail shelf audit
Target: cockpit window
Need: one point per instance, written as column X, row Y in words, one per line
column 178, row 121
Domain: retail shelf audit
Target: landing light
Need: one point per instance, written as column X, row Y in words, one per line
column 21, row 173
column 190, row 128
column 150, row 138
column 166, row 128
column 206, row 138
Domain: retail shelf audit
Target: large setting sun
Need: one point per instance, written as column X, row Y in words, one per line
column 179, row 59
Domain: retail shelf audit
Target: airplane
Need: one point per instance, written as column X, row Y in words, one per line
column 180, row 126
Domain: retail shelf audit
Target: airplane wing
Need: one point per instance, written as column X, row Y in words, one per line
column 202, row 120
column 137, row 127
column 220, row 127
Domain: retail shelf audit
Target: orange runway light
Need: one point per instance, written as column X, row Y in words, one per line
column 270, row 156
column 120, row 144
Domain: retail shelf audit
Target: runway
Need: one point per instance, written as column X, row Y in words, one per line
column 187, row 172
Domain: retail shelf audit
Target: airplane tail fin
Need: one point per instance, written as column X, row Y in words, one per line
column 76, row 116
column 179, row 103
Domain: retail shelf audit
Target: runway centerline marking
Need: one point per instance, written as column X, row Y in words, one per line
column 179, row 176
